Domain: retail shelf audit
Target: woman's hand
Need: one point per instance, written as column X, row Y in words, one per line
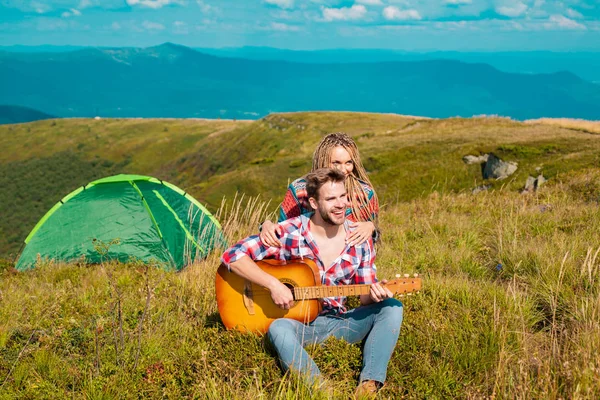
column 362, row 232
column 269, row 232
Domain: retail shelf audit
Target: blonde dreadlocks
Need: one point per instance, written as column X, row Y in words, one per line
column 362, row 209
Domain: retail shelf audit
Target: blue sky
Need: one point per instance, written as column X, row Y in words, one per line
column 489, row 25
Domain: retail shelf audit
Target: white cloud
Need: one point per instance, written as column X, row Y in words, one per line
column 40, row 8
column 281, row 3
column 573, row 13
column 452, row 25
column 278, row 26
column 152, row 3
column 84, row 4
column 205, row 7
column 562, row 22
column 394, row 13
column 180, row 28
column 152, row 26
column 370, row 2
column 513, row 10
column 457, row 2
column 71, row 13
column 345, row 13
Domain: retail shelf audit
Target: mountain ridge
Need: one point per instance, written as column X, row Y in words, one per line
column 176, row 81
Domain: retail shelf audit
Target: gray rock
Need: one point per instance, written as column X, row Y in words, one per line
column 532, row 184
column 481, row 188
column 469, row 159
column 529, row 185
column 497, row 169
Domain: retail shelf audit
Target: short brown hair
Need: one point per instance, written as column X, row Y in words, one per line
column 316, row 179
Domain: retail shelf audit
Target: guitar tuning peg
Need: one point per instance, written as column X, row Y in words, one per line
column 401, row 295
column 397, row 275
column 406, row 275
column 416, row 275
column 409, row 293
column 418, row 291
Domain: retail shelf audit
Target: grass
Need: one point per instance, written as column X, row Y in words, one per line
column 569, row 123
column 511, row 299
column 510, row 309
column 407, row 157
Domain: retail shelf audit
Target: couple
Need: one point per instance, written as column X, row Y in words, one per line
column 323, row 237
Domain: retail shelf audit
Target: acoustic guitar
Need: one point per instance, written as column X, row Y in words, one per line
column 248, row 307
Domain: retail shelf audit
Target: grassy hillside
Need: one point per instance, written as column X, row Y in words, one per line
column 510, row 309
column 407, row 157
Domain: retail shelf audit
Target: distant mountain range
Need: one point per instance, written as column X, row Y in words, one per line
column 586, row 65
column 176, row 81
column 583, row 64
column 16, row 115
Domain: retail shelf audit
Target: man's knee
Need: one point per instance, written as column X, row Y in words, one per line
column 281, row 328
column 392, row 311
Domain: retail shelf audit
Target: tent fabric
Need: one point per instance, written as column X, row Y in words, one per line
column 124, row 217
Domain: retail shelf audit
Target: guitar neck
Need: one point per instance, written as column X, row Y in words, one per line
column 319, row 292
column 397, row 286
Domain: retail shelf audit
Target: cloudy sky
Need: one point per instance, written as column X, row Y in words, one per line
column 490, row 25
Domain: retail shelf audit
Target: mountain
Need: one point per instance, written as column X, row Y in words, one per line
column 175, row 81
column 17, row 114
column 583, row 64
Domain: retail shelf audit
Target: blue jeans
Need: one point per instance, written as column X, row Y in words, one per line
column 378, row 324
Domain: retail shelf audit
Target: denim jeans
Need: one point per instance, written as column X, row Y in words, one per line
column 378, row 324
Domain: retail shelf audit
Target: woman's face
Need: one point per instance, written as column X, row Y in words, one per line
column 341, row 160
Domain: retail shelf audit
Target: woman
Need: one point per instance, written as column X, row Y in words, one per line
column 336, row 150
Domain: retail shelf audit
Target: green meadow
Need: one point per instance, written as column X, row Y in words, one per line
column 511, row 300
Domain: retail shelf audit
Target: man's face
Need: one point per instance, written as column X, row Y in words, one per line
column 332, row 203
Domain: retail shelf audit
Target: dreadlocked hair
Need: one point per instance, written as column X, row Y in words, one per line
column 362, row 209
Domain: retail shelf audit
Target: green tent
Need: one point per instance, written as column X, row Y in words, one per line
column 123, row 217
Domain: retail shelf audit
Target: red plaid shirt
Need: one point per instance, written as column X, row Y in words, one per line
column 355, row 265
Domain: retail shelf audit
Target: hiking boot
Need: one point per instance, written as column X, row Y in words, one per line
column 367, row 390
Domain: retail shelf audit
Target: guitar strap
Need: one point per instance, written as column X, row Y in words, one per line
column 249, row 297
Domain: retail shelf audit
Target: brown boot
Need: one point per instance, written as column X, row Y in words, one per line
column 367, row 390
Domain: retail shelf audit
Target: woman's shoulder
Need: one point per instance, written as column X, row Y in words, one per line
column 299, row 185
column 366, row 187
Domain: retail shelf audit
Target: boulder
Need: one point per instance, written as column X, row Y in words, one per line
column 532, row 184
column 469, row 159
column 497, row 169
column 481, row 188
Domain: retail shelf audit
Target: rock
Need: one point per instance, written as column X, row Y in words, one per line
column 529, row 185
column 469, row 159
column 498, row 169
column 481, row 188
column 540, row 180
column 532, row 184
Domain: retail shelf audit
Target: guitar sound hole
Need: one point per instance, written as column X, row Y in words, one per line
column 290, row 285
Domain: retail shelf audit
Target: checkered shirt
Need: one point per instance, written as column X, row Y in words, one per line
column 355, row 265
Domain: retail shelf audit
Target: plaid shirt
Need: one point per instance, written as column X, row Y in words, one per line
column 295, row 202
column 355, row 265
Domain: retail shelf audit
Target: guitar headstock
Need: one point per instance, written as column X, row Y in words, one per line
column 404, row 285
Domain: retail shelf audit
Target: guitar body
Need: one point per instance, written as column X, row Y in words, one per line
column 248, row 307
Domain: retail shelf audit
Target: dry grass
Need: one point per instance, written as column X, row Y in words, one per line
column 510, row 309
column 576, row 124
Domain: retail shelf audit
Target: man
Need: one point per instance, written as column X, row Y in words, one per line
column 322, row 237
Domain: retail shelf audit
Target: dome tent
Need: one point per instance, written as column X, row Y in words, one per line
column 124, row 217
